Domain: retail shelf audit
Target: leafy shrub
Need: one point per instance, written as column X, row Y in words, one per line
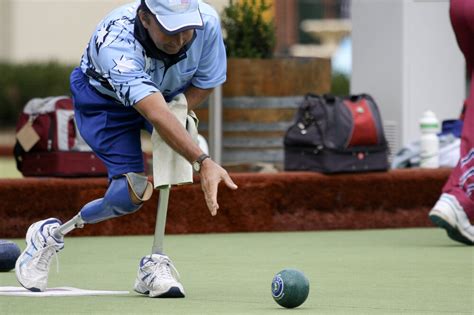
column 247, row 33
column 340, row 84
column 21, row 82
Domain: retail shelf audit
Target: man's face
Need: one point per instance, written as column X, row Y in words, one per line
column 170, row 44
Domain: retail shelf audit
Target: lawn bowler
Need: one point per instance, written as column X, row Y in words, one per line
column 141, row 56
column 454, row 210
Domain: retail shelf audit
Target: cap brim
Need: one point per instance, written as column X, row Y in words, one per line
column 172, row 24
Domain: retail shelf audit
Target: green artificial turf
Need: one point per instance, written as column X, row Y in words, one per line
column 8, row 168
column 402, row 271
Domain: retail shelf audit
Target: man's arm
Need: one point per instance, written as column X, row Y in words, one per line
column 195, row 96
column 156, row 111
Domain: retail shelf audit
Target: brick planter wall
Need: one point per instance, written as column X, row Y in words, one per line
column 284, row 201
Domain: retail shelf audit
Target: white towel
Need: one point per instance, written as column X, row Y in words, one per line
column 169, row 167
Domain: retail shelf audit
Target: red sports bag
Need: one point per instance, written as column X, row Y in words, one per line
column 49, row 144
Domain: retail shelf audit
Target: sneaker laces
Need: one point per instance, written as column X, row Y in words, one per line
column 164, row 269
column 44, row 258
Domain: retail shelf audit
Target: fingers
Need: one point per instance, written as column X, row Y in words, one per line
column 210, row 187
column 210, row 194
column 229, row 182
column 213, row 205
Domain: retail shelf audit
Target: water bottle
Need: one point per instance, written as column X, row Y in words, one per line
column 429, row 126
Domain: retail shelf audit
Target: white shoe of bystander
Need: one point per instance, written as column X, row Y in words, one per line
column 449, row 215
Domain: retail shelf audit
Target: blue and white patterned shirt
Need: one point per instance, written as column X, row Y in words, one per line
column 117, row 64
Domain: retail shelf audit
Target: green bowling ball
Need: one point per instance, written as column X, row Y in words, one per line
column 290, row 288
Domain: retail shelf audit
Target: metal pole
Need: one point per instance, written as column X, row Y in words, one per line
column 215, row 125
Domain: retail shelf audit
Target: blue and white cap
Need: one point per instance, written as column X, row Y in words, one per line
column 176, row 15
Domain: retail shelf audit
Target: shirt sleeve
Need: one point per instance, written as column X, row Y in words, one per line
column 121, row 61
column 212, row 67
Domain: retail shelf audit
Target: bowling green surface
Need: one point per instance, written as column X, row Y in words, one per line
column 400, row 271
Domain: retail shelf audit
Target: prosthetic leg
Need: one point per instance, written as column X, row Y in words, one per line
column 160, row 224
column 157, row 276
column 126, row 194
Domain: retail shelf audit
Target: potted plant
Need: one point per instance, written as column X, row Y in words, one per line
column 249, row 37
column 247, row 33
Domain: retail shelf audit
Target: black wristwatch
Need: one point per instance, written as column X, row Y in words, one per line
column 197, row 164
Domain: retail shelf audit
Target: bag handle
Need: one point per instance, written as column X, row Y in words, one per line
column 330, row 99
column 308, row 118
column 310, row 95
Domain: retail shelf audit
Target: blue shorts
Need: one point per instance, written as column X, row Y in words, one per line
column 111, row 129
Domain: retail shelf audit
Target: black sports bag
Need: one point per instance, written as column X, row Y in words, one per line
column 335, row 135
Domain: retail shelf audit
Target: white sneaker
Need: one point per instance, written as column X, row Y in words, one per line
column 449, row 215
column 32, row 266
column 157, row 277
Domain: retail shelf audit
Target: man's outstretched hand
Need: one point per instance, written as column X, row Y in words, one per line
column 211, row 175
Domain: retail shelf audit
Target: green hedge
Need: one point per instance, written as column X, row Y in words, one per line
column 21, row 82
